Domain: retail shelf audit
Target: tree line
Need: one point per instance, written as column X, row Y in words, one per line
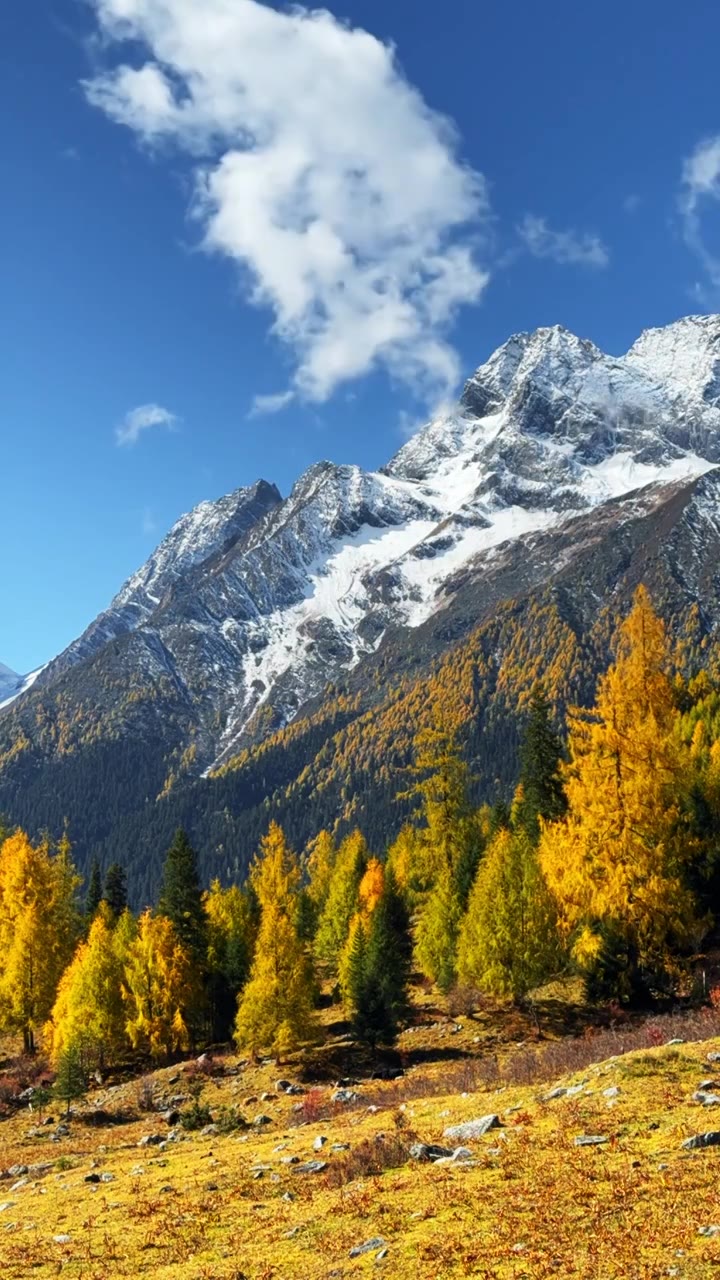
column 605, row 863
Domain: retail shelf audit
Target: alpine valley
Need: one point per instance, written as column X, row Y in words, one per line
column 275, row 656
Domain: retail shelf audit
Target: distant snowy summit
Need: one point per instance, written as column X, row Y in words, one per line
column 12, row 685
column 251, row 604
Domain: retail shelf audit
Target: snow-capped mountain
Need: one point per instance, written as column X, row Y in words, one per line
column 252, row 604
column 12, row 685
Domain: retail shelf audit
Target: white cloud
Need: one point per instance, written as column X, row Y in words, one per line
column 700, row 184
column 142, row 419
column 272, row 403
column 319, row 170
column 582, row 249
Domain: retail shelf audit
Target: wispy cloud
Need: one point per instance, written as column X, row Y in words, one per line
column 141, row 419
column 576, row 248
column 271, row 403
column 319, row 171
column 700, row 185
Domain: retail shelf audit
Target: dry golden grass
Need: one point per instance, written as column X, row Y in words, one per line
column 533, row 1205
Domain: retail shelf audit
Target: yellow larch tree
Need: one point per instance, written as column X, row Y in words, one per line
column 275, row 1012
column 88, row 1016
column 160, row 988
column 341, row 899
column 39, row 928
column 616, row 863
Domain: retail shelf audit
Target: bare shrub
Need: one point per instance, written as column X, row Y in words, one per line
column 145, row 1095
column 371, row 1158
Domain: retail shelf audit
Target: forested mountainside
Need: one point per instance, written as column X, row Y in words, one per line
column 275, row 658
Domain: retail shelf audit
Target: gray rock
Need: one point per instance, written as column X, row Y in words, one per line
column 62, row 1239
column 261, row 1120
column 92, row 1177
column 151, row 1140
column 591, row 1140
column 107, row 1177
column 345, row 1096
column 699, row 1140
column 714, row 1056
column 472, row 1128
column 340, row 1146
column 713, row 1230
column 612, row 1092
column 369, row 1246
column 674, row 1041
column 319, row 1142
column 289, row 1159
column 17, row 1171
column 555, row 1093
column 311, row 1166
column 209, row 1131
column 426, row 1151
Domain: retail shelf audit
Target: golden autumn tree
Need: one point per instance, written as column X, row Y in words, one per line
column 88, row 1017
column 39, row 928
column 341, row 899
column 616, row 864
column 275, row 1012
column 451, row 844
column 233, row 918
column 509, row 941
column 319, row 864
column 160, row 988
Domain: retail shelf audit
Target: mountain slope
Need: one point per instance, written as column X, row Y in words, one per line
column 253, row 606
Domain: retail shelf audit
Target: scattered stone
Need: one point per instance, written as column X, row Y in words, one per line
column 289, row 1159
column 261, row 1120
column 151, row 1140
column 7, row 1204
column 62, row 1131
column 171, row 1117
column 319, row 1142
column 311, row 1166
column 17, row 1171
column 167, row 1190
column 676, row 1040
column 266, row 1097
column 288, row 1196
column 209, row 1131
column 591, row 1140
column 426, row 1151
column 63, row 1239
column 345, row 1096
column 714, row 1056
column 382, row 1255
column 555, row 1093
column 714, row 1230
column 107, row 1177
column 211, row 1186
column 92, row 1177
column 340, row 1146
column 292, row 1233
column 472, row 1128
column 249, row 1101
column 369, row 1246
column 710, row 1139
column 612, row 1092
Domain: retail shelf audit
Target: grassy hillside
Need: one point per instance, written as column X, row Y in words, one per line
column 528, row 1200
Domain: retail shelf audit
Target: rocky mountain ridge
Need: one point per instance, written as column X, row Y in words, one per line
column 253, row 605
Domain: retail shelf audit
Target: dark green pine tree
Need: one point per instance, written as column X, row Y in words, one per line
column 70, row 1083
column 181, row 897
column 94, row 894
column 379, row 970
column 116, row 889
column 543, row 795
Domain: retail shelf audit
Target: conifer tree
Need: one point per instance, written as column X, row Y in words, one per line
column 543, row 793
column 437, row 930
column 509, row 941
column 616, row 864
column 370, row 891
column 320, row 860
column 181, row 899
column 94, row 894
column 275, row 1011
column 88, row 1015
column 378, row 969
column 70, row 1082
column 342, row 898
column 116, row 889
column 39, row 928
column 160, row 988
column 233, row 917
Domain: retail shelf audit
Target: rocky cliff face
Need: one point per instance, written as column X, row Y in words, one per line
column 253, row 605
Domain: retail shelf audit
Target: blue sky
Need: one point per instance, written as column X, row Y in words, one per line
column 190, row 226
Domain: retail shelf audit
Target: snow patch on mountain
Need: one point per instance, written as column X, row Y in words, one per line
column 12, row 685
